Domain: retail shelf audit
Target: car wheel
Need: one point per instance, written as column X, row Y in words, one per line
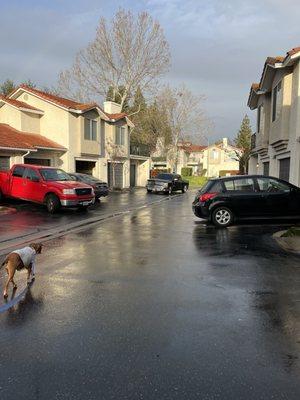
column 184, row 189
column 52, row 203
column 149, row 191
column 170, row 190
column 222, row 217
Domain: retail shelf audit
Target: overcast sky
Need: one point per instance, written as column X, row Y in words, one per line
column 218, row 47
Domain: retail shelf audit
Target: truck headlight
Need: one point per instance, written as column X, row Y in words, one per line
column 68, row 191
column 165, row 185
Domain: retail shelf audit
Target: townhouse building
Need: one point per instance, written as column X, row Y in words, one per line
column 210, row 161
column 276, row 143
column 41, row 128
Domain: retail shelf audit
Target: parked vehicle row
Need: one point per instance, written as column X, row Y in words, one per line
column 225, row 200
column 50, row 186
column 167, row 183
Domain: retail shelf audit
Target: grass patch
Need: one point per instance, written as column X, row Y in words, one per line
column 292, row 232
column 195, row 181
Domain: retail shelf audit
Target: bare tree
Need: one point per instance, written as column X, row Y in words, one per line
column 185, row 116
column 128, row 52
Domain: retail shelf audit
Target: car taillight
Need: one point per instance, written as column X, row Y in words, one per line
column 206, row 196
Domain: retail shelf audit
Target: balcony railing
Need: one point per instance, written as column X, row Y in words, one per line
column 253, row 141
column 139, row 150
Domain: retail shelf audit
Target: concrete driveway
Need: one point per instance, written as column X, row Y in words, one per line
column 157, row 305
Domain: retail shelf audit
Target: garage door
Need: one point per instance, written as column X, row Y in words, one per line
column 4, row 163
column 284, row 169
column 38, row 161
column 85, row 167
column 118, row 170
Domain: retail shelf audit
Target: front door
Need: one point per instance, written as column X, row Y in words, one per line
column 276, row 197
column 132, row 175
column 17, row 182
column 32, row 187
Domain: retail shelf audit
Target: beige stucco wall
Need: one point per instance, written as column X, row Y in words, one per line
column 285, row 127
column 30, row 122
column 11, row 116
column 262, row 137
column 90, row 146
column 54, row 124
column 279, row 129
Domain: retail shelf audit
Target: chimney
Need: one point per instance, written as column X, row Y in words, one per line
column 225, row 142
column 111, row 107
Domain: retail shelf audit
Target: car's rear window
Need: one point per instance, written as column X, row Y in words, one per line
column 212, row 186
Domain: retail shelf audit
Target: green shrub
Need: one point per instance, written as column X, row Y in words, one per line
column 186, row 171
column 195, row 181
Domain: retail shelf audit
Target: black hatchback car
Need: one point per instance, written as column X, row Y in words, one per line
column 224, row 200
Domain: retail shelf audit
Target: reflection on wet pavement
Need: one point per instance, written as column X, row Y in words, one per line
column 157, row 305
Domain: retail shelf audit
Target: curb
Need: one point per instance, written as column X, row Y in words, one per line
column 7, row 210
column 76, row 226
column 289, row 244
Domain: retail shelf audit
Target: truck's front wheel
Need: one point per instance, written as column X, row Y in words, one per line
column 52, row 203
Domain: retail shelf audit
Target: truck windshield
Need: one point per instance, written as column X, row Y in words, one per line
column 167, row 177
column 53, row 174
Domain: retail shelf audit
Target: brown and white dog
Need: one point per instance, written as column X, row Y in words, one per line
column 19, row 259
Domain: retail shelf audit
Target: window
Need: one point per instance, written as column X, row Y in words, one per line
column 241, row 185
column 266, row 168
column 4, row 163
column 31, row 174
column 120, row 135
column 214, row 154
column 276, row 93
column 53, row 174
column 90, row 129
column 216, row 188
column 284, row 169
column 259, row 118
column 272, row 185
column 18, row 171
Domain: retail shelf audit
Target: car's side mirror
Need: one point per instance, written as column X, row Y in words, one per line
column 175, row 179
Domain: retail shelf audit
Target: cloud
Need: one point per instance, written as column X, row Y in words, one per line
column 218, row 47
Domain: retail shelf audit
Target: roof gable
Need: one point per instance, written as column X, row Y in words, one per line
column 15, row 139
column 21, row 105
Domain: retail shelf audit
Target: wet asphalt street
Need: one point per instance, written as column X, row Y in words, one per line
column 157, row 305
column 24, row 220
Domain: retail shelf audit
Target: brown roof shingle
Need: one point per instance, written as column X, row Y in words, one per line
column 15, row 139
column 61, row 101
column 18, row 104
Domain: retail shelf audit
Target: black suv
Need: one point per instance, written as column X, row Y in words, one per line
column 223, row 200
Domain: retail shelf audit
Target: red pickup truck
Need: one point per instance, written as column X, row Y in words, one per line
column 46, row 185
